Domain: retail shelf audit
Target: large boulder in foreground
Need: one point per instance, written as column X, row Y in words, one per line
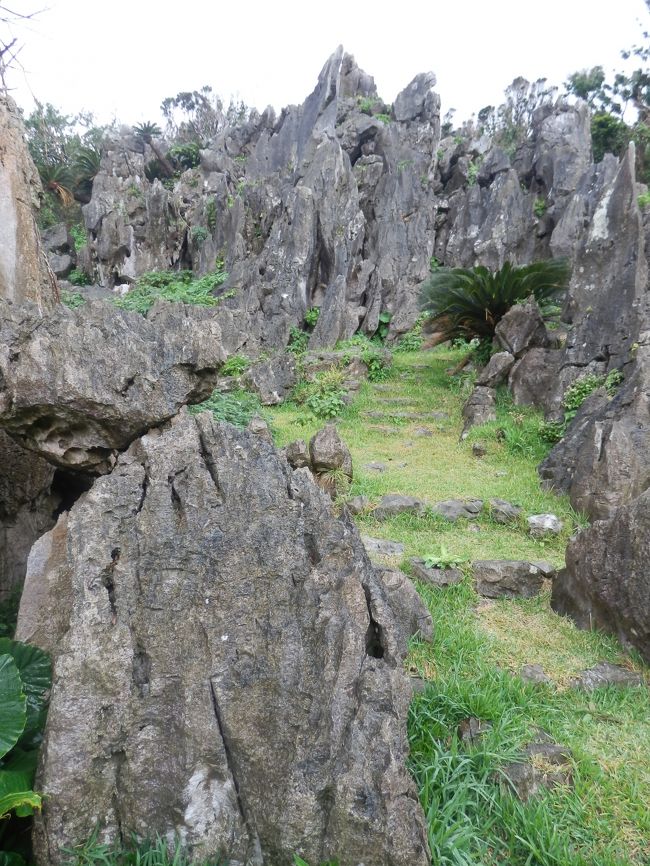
column 78, row 386
column 606, row 583
column 227, row 663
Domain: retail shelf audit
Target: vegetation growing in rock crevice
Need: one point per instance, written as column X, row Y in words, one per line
column 180, row 286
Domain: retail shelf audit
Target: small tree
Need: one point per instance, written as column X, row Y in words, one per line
column 146, row 132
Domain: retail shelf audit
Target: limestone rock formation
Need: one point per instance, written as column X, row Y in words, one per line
column 329, row 205
column 227, row 663
column 24, row 274
column 79, row 385
column 605, row 584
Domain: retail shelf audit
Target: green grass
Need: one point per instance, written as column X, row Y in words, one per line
column 173, row 286
column 472, row 666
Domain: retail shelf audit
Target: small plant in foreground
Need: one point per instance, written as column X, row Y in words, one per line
column 298, row 341
column 644, row 200
column 235, row 407
column 539, row 207
column 412, row 340
column 79, row 236
column 574, row 396
column 311, row 317
column 443, row 559
column 78, row 278
column 384, row 323
column 199, row 234
column 137, row 853
column 324, row 396
column 235, row 365
column 72, row 299
column 379, row 369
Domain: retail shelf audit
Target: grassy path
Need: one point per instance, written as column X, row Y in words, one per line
column 479, row 648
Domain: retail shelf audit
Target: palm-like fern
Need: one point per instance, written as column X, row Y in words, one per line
column 147, row 132
column 469, row 302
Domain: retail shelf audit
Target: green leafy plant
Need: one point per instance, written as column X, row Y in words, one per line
column 72, row 299
column 379, row 368
column 138, row 853
column 412, row 340
column 78, row 278
column 235, row 407
column 385, row 118
column 384, row 324
column 470, row 302
column 199, row 234
column 235, row 365
column 311, row 316
column 324, row 395
column 147, row 132
column 443, row 559
column 79, row 236
column 643, row 200
column 211, row 214
column 574, row 396
column 174, row 286
column 186, row 155
column 539, row 207
column 298, row 340
column 25, row 680
column 472, row 171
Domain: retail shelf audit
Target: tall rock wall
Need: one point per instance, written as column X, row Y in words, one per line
column 24, row 274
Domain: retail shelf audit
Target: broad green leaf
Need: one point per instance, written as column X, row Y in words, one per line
column 35, row 672
column 18, row 771
column 19, row 800
column 10, row 858
column 13, row 702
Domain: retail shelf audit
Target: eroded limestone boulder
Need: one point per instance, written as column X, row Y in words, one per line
column 606, row 584
column 79, row 385
column 227, row 663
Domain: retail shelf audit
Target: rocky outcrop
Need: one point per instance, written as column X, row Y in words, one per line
column 79, row 385
column 24, row 273
column 27, row 508
column 605, row 584
column 329, row 205
column 229, row 637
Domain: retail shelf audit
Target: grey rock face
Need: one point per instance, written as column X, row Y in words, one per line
column 27, row 509
column 329, row 452
column 535, row 380
column 24, row 274
column 230, row 638
column 507, row 578
column 522, row 328
column 605, row 584
column 534, row 674
column 297, row 454
column 60, row 250
column 273, row 379
column 603, row 461
column 479, row 408
column 78, row 414
column 323, row 206
column 393, row 504
column 496, row 370
column 358, row 504
column 410, row 611
column 527, row 779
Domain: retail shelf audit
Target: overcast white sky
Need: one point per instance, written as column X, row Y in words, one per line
column 124, row 57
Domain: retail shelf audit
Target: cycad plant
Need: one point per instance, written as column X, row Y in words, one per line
column 146, row 132
column 469, row 302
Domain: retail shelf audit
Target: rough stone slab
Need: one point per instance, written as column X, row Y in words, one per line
column 77, row 386
column 521, row 328
column 457, row 509
column 328, row 452
column 534, row 674
column 540, row 525
column 504, row 512
column 479, row 408
column 496, row 370
column 435, row 576
column 393, row 504
column 606, row 674
column 297, row 454
column 228, row 636
column 382, row 546
column 503, row 578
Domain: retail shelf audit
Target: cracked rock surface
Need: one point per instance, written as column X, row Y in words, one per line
column 79, row 385
column 227, row 663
